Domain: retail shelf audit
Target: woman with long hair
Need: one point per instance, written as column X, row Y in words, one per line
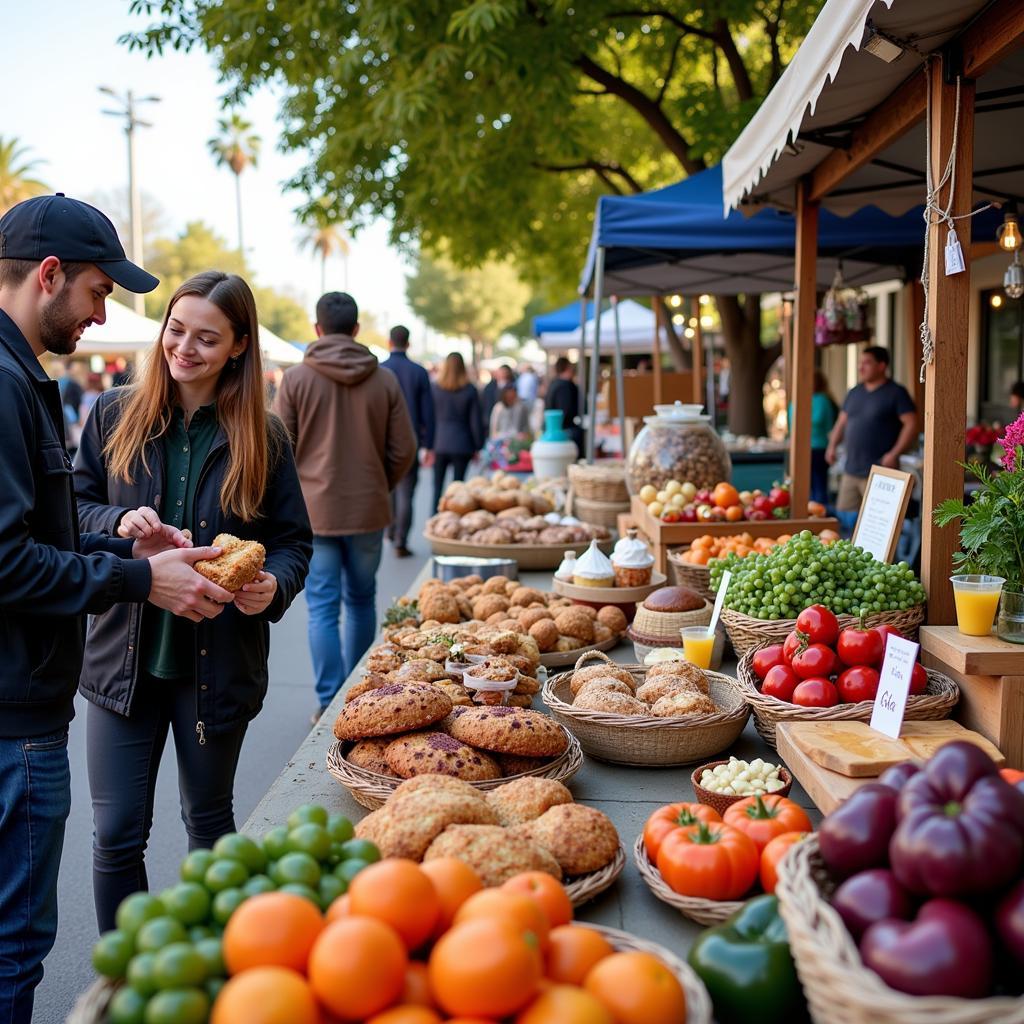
column 190, row 444
column 459, row 425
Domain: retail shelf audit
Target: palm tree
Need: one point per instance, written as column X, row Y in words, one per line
column 326, row 239
column 236, row 146
column 16, row 182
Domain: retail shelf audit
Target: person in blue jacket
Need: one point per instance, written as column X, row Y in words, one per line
column 460, row 426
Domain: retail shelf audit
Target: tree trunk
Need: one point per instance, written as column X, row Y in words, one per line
column 749, row 361
column 680, row 357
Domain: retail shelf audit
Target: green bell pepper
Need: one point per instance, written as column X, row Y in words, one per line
column 747, row 968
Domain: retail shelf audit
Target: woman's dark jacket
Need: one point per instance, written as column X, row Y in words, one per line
column 230, row 650
column 458, row 418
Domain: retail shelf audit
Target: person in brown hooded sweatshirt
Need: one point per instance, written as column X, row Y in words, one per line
column 354, row 442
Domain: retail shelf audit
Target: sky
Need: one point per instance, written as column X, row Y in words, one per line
column 55, row 58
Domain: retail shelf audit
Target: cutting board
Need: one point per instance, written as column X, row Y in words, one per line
column 856, row 750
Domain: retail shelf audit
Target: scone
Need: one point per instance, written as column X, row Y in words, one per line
column 591, row 698
column 584, row 675
column 510, row 730
column 666, row 686
column 369, row 754
column 685, row 703
column 681, row 669
column 239, row 562
column 526, row 799
column 494, row 853
column 582, row 839
column 419, row 753
column 392, row 709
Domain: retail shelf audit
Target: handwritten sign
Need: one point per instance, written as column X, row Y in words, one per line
column 881, row 512
column 894, row 686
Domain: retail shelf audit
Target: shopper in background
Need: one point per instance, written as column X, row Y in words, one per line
column 511, row 416
column 459, row 432
column 527, row 385
column 500, row 378
column 1017, row 396
column 415, row 384
column 824, row 411
column 564, row 394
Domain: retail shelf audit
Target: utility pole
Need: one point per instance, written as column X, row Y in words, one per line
column 127, row 104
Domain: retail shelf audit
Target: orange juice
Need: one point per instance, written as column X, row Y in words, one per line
column 976, row 611
column 698, row 646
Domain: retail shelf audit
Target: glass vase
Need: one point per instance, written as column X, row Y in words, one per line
column 1010, row 623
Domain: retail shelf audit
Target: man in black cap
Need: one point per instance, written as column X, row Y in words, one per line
column 59, row 260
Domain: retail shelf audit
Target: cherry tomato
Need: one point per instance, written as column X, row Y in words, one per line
column 918, row 678
column 792, row 644
column 858, row 683
column 885, row 631
column 816, row 693
column 814, row 660
column 780, row 682
column 819, row 624
column 858, row 646
column 766, row 658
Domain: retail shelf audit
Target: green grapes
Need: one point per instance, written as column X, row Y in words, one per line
column 803, row 571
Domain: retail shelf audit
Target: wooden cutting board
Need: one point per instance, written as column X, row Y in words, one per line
column 856, row 750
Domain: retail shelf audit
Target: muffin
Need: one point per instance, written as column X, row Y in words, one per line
column 593, row 568
column 632, row 562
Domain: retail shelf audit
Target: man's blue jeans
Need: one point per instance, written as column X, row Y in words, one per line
column 35, row 798
column 343, row 571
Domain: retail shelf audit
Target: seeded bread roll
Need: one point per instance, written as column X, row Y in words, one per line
column 239, row 562
column 674, row 599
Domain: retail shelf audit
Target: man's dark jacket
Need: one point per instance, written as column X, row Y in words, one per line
column 50, row 575
column 415, row 384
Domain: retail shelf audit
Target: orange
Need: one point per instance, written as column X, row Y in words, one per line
column 725, row 495
column 455, row 881
column 340, row 907
column 406, row 1015
column 397, row 892
column 733, row 513
column 271, row 929
column 266, row 995
column 547, row 891
column 565, row 1004
column 484, row 967
column 416, row 990
column 638, row 989
column 573, row 952
column 357, row 967
column 521, row 910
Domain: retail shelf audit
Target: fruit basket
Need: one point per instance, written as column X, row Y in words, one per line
column 371, row 789
column 936, row 702
column 584, row 888
column 601, row 483
column 686, row 574
column 838, row 987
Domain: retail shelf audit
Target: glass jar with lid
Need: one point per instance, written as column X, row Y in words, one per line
column 677, row 443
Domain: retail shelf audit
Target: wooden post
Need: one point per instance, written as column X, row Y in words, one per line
column 913, row 304
column 697, row 349
column 803, row 351
column 945, row 404
column 786, row 330
column 656, row 349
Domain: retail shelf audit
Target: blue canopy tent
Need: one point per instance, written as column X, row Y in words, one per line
column 561, row 321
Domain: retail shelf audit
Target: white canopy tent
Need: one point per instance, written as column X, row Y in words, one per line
column 636, row 330
column 277, row 350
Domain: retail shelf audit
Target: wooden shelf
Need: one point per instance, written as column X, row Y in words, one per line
column 973, row 655
column 827, row 789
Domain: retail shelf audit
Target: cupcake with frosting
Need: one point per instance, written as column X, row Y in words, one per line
column 632, row 562
column 593, row 568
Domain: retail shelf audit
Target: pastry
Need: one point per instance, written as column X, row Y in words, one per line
column 494, row 853
column 526, row 799
column 419, row 670
column 514, row 764
column 369, row 754
column 591, row 698
column 510, row 730
column 606, row 683
column 593, row 568
column 632, row 561
column 392, row 709
column 545, row 632
column 419, row 753
column 239, row 562
column 684, row 703
column 613, row 617
column 674, row 599
column 685, row 670
column 576, row 623
column 664, row 686
column 429, row 781
column 582, row 839
column 583, row 675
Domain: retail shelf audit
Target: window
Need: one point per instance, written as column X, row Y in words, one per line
column 1002, row 347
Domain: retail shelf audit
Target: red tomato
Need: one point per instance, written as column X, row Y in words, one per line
column 763, row 504
column 885, row 631
column 814, row 660
column 819, row 624
column 816, row 693
column 858, row 646
column 918, row 679
column 780, row 682
column 779, row 497
column 792, row 644
column 766, row 658
column 858, row 683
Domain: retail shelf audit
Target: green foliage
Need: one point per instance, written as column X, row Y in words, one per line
column 283, row 313
column 991, row 524
column 17, row 181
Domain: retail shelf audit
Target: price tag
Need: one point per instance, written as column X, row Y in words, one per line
column 894, row 686
column 954, row 255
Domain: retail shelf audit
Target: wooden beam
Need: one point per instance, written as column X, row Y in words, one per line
column 945, row 419
column 656, row 349
column 913, row 308
column 697, row 341
column 992, row 38
column 803, row 351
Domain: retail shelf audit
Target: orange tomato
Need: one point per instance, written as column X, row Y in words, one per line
column 406, row 1015
column 455, row 881
column 773, row 852
column 574, row 950
column 266, row 995
column 520, row 910
column 397, row 892
column 565, row 1004
column 764, row 817
column 670, row 817
column 547, row 891
column 700, row 557
column 715, row 862
column 725, row 495
column 357, row 967
column 416, row 990
column 733, row 513
column 273, row 929
column 340, row 907
column 485, row 968
column 1011, row 775
column 638, row 989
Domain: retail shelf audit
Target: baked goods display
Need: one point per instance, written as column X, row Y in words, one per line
column 593, row 568
column 669, row 690
column 632, row 561
column 239, row 562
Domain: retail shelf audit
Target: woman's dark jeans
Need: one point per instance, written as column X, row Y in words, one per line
column 459, row 464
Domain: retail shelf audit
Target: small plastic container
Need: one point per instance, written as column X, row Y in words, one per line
column 458, row 668
column 489, row 691
column 977, row 599
column 698, row 645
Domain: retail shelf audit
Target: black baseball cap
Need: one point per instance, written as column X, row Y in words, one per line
column 72, row 231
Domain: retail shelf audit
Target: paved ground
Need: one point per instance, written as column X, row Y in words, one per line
column 272, row 739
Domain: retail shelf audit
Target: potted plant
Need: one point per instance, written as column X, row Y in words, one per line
column 992, row 529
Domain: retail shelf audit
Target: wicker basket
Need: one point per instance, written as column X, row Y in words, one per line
column 666, row 625
column 371, row 790
column 584, row 888
column 838, row 987
column 721, row 802
column 602, row 513
column 746, row 632
column 643, row 739
column 685, row 574
column 91, row 1006
column 936, row 702
column 605, row 484
column 706, row 912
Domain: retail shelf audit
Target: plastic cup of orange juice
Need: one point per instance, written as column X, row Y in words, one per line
column 698, row 645
column 977, row 599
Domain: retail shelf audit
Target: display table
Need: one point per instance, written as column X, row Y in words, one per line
column 990, row 674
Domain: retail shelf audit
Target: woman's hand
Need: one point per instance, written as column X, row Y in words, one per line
column 255, row 597
column 139, row 523
column 149, row 534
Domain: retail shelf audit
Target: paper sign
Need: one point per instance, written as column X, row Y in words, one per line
column 881, row 512
column 954, row 255
column 894, row 686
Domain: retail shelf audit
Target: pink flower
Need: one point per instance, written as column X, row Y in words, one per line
column 1013, row 437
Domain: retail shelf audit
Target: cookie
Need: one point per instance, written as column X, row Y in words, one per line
column 384, row 660
column 392, row 709
column 684, row 703
column 458, row 694
column 494, row 853
column 409, row 824
column 612, row 617
column 373, row 681
column 513, row 764
column 583, row 675
column 582, row 839
column 369, row 754
column 527, row 685
column 510, row 730
column 429, row 780
column 419, row 670
column 607, row 683
column 591, row 698
column 520, row 700
column 526, row 799
column 665, row 686
column 418, row 753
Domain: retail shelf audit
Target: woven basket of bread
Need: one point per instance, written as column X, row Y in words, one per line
column 602, row 513
column 935, row 703
column 838, row 987
column 686, row 574
column 746, row 632
column 662, row 614
column 640, row 739
column 605, row 484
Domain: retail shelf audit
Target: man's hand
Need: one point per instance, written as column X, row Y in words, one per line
column 830, row 455
column 179, row 589
column 428, row 458
column 255, row 597
column 167, row 538
column 891, row 460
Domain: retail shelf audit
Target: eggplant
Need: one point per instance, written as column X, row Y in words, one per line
column 1009, row 920
column 871, row 896
column 945, row 951
column 898, row 775
column 855, row 836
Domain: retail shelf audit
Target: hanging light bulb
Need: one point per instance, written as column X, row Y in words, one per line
column 1013, row 279
column 1009, row 234
column 675, row 301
